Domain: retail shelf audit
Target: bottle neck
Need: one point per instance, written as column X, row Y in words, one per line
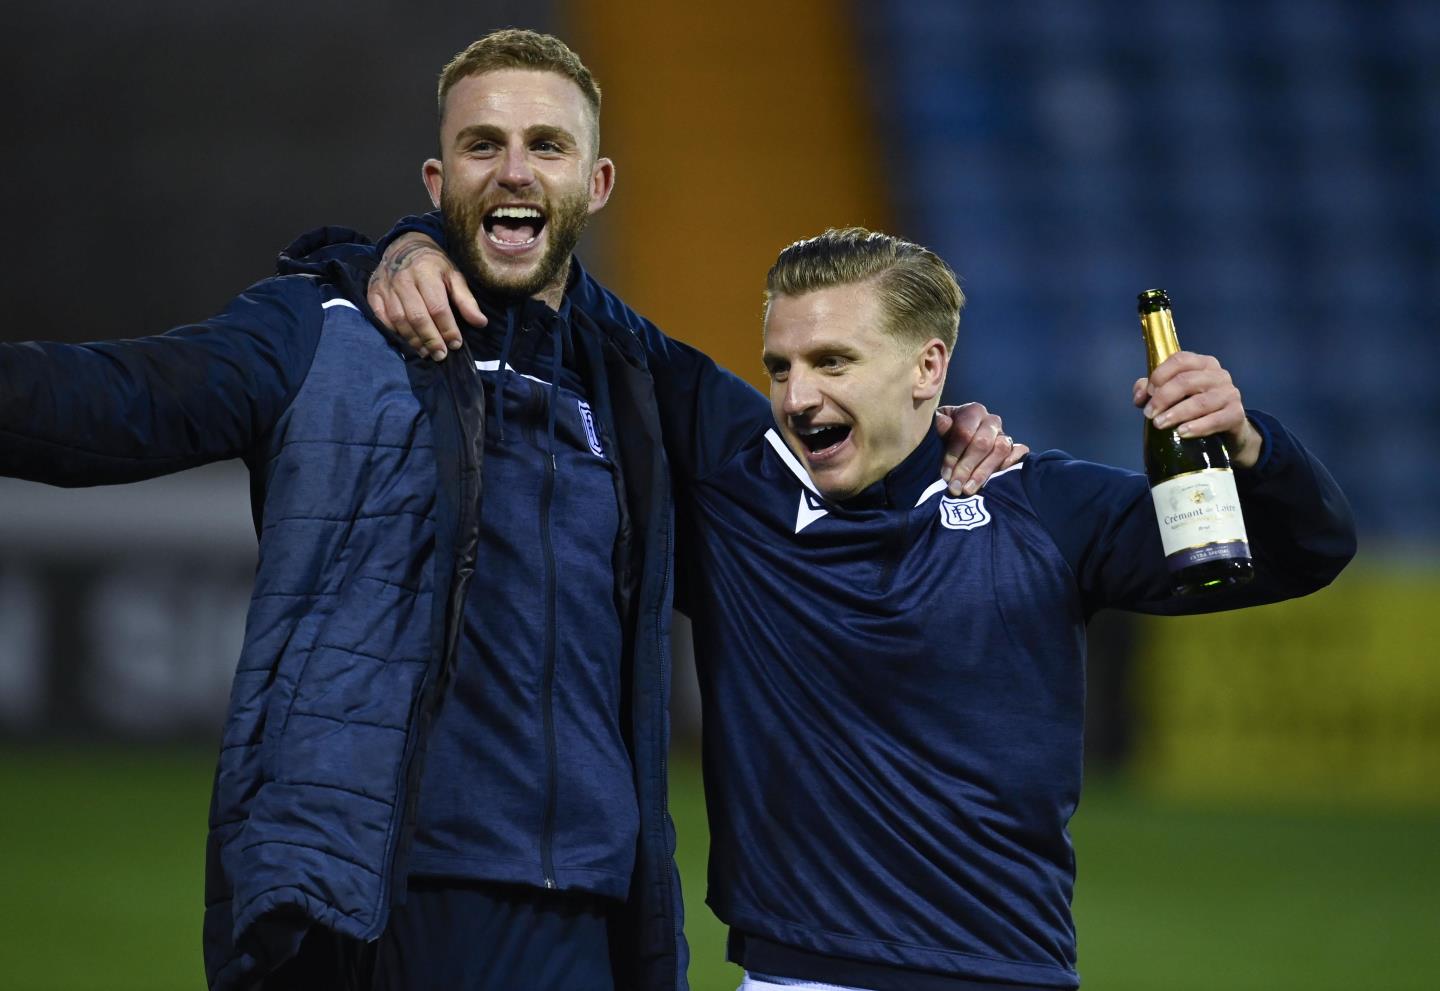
column 1158, row 329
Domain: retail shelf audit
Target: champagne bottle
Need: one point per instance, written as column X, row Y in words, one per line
column 1192, row 483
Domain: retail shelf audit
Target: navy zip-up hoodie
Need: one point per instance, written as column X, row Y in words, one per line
column 527, row 776
column 365, row 475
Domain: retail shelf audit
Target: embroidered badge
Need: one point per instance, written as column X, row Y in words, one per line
column 591, row 434
column 963, row 514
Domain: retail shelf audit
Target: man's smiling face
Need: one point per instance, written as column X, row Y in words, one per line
column 518, row 178
column 851, row 399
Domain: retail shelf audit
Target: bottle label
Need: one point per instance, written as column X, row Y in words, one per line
column 1199, row 515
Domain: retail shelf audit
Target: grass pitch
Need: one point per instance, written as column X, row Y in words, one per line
column 103, row 854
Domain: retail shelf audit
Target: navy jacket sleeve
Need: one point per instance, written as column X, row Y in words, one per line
column 424, row 223
column 330, row 252
column 1299, row 524
column 119, row 411
column 706, row 412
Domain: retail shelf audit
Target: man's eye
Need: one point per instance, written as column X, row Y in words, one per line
column 548, row 147
column 483, row 148
column 831, row 363
column 776, row 373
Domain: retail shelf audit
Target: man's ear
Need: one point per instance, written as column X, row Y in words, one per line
column 602, row 182
column 433, row 173
column 930, row 368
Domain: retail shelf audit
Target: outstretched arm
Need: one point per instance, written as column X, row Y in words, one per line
column 119, row 411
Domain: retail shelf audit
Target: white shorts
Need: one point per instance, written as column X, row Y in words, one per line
column 764, row 982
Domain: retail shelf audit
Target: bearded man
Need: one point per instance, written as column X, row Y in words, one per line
column 443, row 763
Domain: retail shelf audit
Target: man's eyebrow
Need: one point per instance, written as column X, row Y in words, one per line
column 551, row 131
column 839, row 346
column 476, row 132
column 818, row 349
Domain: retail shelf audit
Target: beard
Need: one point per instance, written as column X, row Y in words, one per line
column 464, row 227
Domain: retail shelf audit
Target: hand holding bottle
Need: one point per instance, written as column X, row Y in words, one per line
column 1193, row 409
column 1193, row 395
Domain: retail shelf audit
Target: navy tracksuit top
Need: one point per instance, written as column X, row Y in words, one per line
column 893, row 688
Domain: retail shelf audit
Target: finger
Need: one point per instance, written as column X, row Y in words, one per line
column 464, row 301
column 418, row 324
column 1140, row 391
column 376, row 299
column 440, row 328
column 1191, row 383
column 972, row 454
column 400, row 325
column 963, row 422
column 385, row 304
column 1178, row 364
column 989, row 464
column 1224, row 421
column 1220, row 402
column 1017, row 454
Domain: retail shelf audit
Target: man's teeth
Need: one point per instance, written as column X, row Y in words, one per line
column 499, row 240
column 819, row 438
column 514, row 226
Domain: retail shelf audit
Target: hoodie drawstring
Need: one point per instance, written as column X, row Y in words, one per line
column 502, row 371
column 555, row 349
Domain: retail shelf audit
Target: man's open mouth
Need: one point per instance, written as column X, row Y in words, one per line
column 514, row 226
column 818, row 439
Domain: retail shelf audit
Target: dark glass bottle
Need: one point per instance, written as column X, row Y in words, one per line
column 1192, row 483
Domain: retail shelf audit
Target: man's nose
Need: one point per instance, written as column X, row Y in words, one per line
column 800, row 393
column 516, row 172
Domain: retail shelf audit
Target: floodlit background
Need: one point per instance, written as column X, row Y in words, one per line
column 1264, row 791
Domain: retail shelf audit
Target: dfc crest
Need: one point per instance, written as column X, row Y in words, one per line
column 963, row 514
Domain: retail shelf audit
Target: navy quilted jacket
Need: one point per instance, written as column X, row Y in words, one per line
column 365, row 479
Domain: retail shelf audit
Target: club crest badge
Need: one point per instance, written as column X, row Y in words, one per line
column 963, row 514
column 592, row 435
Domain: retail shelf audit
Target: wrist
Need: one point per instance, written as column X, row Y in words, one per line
column 1246, row 446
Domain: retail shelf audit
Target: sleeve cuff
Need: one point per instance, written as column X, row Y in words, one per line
column 428, row 224
column 1276, row 450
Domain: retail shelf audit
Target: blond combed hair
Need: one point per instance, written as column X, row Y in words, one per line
column 918, row 292
column 519, row 48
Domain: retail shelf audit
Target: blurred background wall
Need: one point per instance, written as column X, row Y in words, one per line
column 1275, row 165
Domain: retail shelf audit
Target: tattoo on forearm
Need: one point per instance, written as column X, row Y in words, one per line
column 403, row 257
